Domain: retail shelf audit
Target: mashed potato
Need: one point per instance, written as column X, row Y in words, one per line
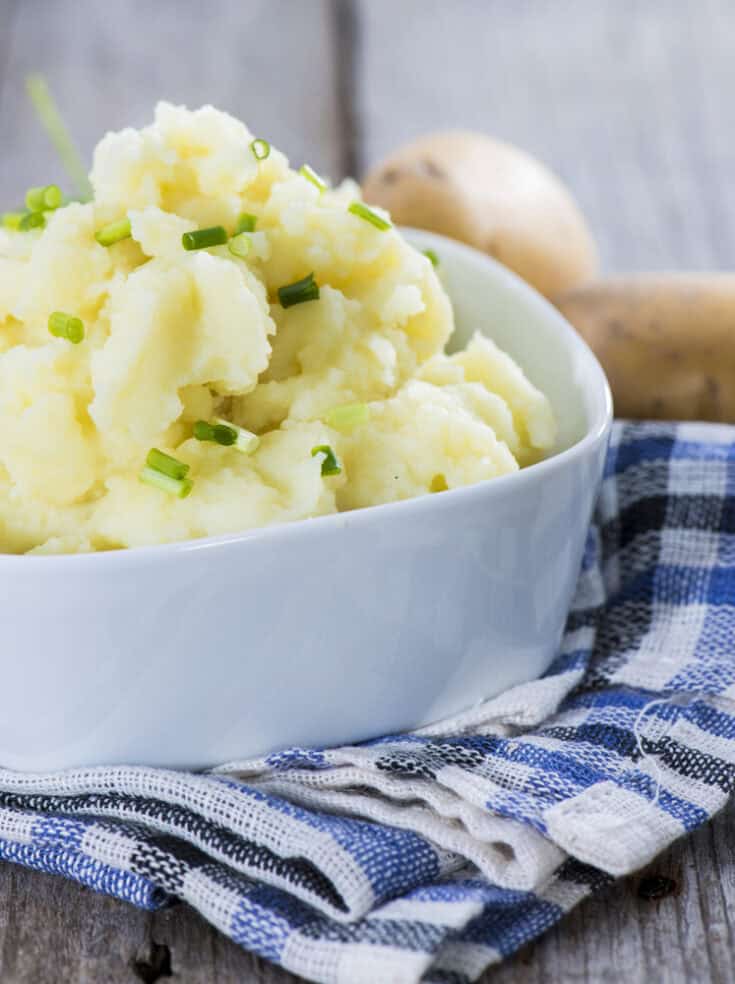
column 177, row 340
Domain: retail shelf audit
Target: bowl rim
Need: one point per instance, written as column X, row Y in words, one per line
column 597, row 431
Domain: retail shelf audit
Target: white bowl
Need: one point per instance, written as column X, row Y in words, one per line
column 329, row 630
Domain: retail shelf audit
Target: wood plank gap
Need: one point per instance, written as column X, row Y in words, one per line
column 346, row 38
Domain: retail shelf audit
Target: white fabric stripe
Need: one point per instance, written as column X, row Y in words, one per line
column 238, row 811
column 352, row 963
column 611, row 828
column 689, row 734
column 216, row 903
column 453, row 915
column 109, row 846
column 18, row 827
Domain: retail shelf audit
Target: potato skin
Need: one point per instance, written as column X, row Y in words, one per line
column 492, row 196
column 666, row 342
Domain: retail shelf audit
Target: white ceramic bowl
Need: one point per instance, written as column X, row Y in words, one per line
column 325, row 631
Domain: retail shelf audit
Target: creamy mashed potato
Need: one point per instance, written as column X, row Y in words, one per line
column 184, row 342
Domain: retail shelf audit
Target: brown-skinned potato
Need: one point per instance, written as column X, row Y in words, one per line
column 666, row 342
column 492, row 196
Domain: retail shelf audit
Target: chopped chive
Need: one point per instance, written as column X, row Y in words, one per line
column 310, row 174
column 32, row 220
column 46, row 197
column 66, row 326
column 347, row 417
column 113, row 232
column 431, row 255
column 217, row 433
column 260, row 148
column 246, row 223
column 12, row 220
column 296, row 293
column 330, row 465
column 227, row 434
column 180, row 487
column 204, row 238
column 48, row 113
column 164, row 463
column 239, row 245
column 246, row 441
column 361, row 210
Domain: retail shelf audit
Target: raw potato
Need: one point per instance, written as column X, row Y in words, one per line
column 666, row 342
column 492, row 196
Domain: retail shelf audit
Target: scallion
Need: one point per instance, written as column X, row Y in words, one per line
column 227, row 434
column 62, row 325
column 239, row 245
column 46, row 197
column 247, row 442
column 12, row 220
column 32, row 220
column 113, row 232
column 347, row 417
column 310, row 174
column 260, row 148
column 330, row 465
column 216, row 433
column 296, row 293
column 48, row 113
column 204, row 238
column 246, row 223
column 361, row 210
column 431, row 255
column 161, row 462
column 180, row 487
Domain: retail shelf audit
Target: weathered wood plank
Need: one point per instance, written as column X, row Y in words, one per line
column 267, row 61
column 52, row 930
column 627, row 101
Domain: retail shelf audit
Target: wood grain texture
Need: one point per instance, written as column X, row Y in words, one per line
column 629, row 101
column 268, row 62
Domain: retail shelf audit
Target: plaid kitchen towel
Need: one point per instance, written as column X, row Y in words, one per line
column 429, row 856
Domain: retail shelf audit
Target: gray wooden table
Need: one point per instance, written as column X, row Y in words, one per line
column 629, row 100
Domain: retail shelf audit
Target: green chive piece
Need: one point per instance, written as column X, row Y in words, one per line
column 246, row 223
column 32, row 220
column 361, row 210
column 62, row 325
column 164, row 463
column 239, row 245
column 347, row 417
column 113, row 232
column 47, row 197
column 227, row 434
column 180, row 487
column 48, row 113
column 310, row 174
column 246, row 441
column 218, row 433
column 204, row 238
column 431, row 255
column 296, row 293
column 330, row 465
column 260, row 148
column 12, row 220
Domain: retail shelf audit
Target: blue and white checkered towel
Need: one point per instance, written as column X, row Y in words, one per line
column 427, row 857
